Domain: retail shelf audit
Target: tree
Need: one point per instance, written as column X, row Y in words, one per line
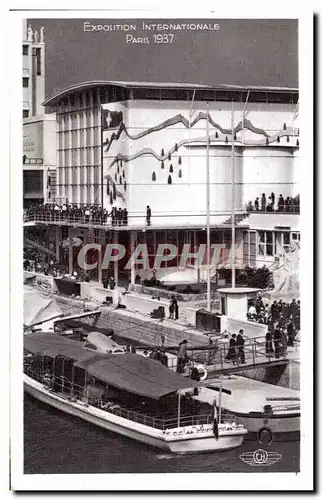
column 108, row 186
column 162, row 165
column 114, row 192
column 171, row 168
column 111, row 198
column 120, row 180
column 278, row 139
column 180, row 173
column 153, row 176
column 169, row 181
column 176, row 147
column 162, row 152
column 169, row 156
column 125, row 185
column 284, row 126
column 226, row 139
column 179, row 160
column 216, row 135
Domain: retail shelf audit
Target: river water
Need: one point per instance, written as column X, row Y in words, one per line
column 56, row 443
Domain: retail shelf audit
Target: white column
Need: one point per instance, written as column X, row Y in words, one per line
column 132, row 249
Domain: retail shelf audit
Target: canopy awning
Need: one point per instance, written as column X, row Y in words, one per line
column 51, row 344
column 130, row 372
column 137, row 374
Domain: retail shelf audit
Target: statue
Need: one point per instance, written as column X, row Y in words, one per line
column 30, row 34
column 36, row 36
column 42, row 34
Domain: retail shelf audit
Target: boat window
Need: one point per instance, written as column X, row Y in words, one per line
column 88, row 345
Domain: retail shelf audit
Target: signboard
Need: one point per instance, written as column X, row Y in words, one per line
column 33, row 139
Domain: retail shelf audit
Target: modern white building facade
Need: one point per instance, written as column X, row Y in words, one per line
column 133, row 144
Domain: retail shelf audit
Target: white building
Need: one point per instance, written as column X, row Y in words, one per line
column 133, row 144
column 39, row 129
column 33, row 71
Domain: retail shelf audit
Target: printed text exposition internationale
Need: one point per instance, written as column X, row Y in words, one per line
column 156, row 28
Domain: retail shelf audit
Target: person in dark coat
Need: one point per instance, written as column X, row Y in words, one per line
column 182, row 356
column 148, row 215
column 293, row 308
column 232, row 352
column 277, row 341
column 257, row 204
column 176, row 312
column 269, row 343
column 164, row 359
column 281, row 203
column 279, row 307
column 125, row 215
column 291, row 332
column 171, row 309
column 263, row 202
column 272, row 198
column 195, row 374
column 240, row 345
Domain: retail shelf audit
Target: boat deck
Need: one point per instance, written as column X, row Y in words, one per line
column 249, row 395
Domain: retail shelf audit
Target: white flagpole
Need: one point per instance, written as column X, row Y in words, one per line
column 208, row 242
column 233, row 236
column 243, row 115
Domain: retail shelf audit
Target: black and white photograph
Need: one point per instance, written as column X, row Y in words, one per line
column 166, row 321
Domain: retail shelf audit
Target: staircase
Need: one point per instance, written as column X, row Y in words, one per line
column 237, row 219
column 34, row 243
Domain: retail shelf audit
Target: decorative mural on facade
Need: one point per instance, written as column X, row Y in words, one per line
column 140, row 153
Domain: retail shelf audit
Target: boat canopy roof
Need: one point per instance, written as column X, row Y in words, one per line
column 129, row 372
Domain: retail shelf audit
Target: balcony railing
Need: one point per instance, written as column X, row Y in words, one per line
column 282, row 209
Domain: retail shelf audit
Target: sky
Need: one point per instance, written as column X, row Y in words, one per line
column 241, row 52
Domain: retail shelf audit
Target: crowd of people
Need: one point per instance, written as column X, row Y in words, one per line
column 56, row 212
column 279, row 310
column 273, row 204
column 96, row 214
column 36, row 261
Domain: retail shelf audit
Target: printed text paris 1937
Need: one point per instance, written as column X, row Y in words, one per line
column 160, row 32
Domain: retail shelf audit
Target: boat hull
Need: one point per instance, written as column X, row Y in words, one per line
column 281, row 428
column 178, row 444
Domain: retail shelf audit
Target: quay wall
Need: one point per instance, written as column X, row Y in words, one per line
column 285, row 375
column 144, row 330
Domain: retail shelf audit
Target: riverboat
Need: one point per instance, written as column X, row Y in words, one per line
column 128, row 394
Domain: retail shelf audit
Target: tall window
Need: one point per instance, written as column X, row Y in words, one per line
column 25, row 50
column 25, row 113
column 265, row 243
column 25, row 82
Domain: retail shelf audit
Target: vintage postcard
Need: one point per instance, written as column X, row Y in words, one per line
column 165, row 214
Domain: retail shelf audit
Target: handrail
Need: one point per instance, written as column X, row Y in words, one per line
column 253, row 349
